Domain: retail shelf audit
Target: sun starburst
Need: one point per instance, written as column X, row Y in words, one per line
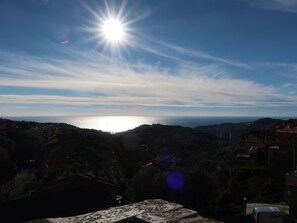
column 113, row 31
column 111, row 28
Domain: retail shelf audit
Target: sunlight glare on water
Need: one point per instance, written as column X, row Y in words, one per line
column 113, row 123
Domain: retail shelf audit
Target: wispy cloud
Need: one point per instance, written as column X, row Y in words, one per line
column 278, row 5
column 175, row 52
column 101, row 83
column 64, row 42
column 287, row 70
column 41, row 1
column 203, row 55
column 141, row 42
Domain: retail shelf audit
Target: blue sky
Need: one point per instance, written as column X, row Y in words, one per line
column 183, row 58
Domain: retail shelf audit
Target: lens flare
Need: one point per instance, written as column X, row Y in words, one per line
column 175, row 180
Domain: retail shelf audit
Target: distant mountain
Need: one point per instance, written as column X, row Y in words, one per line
column 175, row 137
column 234, row 131
column 57, row 125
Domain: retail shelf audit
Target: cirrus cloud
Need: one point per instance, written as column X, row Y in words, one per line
column 100, row 83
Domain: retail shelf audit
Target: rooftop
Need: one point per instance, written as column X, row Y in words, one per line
column 72, row 181
column 267, row 209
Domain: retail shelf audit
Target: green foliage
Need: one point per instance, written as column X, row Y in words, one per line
column 7, row 166
column 137, row 162
column 148, row 183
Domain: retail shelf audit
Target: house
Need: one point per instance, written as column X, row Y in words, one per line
column 252, row 140
column 272, row 148
column 255, row 148
column 5, row 124
column 78, row 194
column 275, row 156
column 243, row 157
column 292, row 193
column 69, row 196
column 288, row 130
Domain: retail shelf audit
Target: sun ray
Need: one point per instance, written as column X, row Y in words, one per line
column 122, row 9
column 112, row 29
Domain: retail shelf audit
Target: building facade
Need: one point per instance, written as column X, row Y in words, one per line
column 292, row 193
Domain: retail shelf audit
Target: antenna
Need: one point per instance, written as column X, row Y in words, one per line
column 294, row 158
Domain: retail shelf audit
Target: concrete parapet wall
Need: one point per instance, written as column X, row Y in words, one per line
column 148, row 211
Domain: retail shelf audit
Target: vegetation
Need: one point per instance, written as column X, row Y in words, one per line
column 140, row 162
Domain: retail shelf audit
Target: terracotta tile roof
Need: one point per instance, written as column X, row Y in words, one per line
column 288, row 130
column 256, row 147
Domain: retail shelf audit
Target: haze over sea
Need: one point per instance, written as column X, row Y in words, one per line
column 123, row 123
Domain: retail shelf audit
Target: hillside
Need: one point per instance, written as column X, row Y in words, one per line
column 234, row 131
column 190, row 166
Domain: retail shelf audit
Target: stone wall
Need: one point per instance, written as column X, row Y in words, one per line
column 148, row 211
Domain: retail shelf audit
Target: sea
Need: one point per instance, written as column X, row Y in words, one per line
column 116, row 124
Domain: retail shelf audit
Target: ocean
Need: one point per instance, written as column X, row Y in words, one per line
column 122, row 123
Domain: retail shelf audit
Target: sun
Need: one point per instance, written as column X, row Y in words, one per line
column 113, row 31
